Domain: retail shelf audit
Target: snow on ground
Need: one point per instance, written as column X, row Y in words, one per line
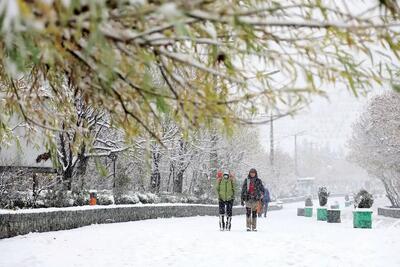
column 283, row 239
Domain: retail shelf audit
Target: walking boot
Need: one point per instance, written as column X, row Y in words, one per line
column 248, row 224
column 254, row 224
column 221, row 223
column 228, row 223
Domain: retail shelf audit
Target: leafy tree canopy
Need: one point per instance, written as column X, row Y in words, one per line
column 201, row 62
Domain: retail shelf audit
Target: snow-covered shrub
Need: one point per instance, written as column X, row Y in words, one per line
column 212, row 201
column 40, row 203
column 57, row 198
column 308, row 202
column 46, row 197
column 363, row 199
column 183, row 199
column 143, row 198
column 81, row 199
column 192, row 199
column 207, row 199
column 20, row 200
column 69, row 200
column 167, row 198
column 180, row 198
column 323, row 195
column 198, row 190
column 173, row 199
column 153, row 198
column 40, row 200
column 148, row 198
column 105, row 199
column 127, row 199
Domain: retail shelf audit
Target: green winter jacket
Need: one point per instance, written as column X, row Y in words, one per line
column 226, row 189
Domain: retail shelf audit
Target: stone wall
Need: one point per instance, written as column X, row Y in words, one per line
column 19, row 223
column 389, row 212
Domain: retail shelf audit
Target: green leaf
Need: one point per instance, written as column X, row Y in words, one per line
column 162, row 105
column 396, row 87
column 101, row 168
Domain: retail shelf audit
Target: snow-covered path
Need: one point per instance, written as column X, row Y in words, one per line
column 283, row 240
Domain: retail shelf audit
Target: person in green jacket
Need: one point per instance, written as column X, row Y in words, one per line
column 226, row 195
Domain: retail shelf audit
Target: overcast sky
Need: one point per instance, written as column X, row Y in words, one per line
column 324, row 122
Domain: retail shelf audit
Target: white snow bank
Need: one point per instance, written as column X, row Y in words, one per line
column 3, row 211
column 390, row 208
column 363, row 210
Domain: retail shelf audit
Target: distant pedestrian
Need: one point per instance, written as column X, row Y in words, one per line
column 226, row 195
column 266, row 200
column 252, row 193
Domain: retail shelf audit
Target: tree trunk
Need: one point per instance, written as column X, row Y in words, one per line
column 171, row 175
column 67, row 179
column 391, row 192
column 178, row 182
column 34, row 186
column 214, row 156
column 155, row 180
column 80, row 171
column 194, row 178
column 182, row 165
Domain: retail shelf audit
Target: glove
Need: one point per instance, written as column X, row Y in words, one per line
column 242, row 203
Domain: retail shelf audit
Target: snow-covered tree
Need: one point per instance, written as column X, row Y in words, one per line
column 280, row 178
column 376, row 141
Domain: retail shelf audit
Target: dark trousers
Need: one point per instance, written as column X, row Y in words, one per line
column 225, row 205
column 265, row 208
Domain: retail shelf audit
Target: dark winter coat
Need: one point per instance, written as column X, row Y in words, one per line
column 258, row 187
column 267, row 197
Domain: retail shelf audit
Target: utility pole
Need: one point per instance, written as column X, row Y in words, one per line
column 271, row 153
column 296, row 172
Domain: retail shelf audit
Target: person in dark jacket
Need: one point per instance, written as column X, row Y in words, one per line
column 266, row 200
column 252, row 193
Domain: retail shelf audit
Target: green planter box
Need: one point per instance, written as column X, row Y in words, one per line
column 308, row 211
column 333, row 216
column 362, row 218
column 322, row 214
